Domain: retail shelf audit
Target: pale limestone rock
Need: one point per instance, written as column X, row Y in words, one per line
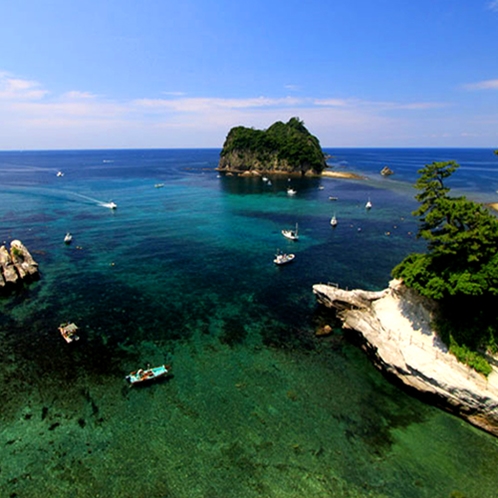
column 395, row 326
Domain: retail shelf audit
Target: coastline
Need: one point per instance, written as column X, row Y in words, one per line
column 394, row 328
column 325, row 174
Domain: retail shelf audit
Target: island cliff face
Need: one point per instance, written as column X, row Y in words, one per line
column 394, row 327
column 282, row 148
column 16, row 266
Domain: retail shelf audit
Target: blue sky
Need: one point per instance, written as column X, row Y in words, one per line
column 159, row 73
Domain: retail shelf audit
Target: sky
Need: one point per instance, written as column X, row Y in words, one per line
column 104, row 74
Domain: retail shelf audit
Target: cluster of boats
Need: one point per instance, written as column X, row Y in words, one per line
column 293, row 234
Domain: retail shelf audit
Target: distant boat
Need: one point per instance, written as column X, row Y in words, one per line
column 282, row 259
column 368, row 205
column 291, row 191
column 68, row 238
column 159, row 185
column 333, row 221
column 331, row 198
column 291, row 234
column 110, row 205
column 68, row 331
column 60, row 173
column 147, row 375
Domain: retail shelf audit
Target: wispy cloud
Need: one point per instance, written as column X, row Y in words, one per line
column 12, row 88
column 493, row 5
column 483, row 85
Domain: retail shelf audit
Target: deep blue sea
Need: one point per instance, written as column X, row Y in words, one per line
column 182, row 273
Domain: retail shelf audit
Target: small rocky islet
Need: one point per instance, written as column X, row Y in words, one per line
column 16, row 266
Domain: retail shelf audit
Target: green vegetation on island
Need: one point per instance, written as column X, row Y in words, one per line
column 460, row 269
column 283, row 147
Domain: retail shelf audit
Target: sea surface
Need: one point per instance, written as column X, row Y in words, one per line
column 182, row 273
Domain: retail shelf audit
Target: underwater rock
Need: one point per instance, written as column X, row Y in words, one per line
column 394, row 328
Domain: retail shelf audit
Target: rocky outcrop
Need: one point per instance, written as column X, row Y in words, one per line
column 386, row 171
column 16, row 265
column 394, row 327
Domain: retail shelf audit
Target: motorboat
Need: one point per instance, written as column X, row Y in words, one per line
column 60, row 173
column 282, row 259
column 291, row 234
column 333, row 221
column 332, row 198
column 159, row 185
column 68, row 331
column 110, row 205
column 291, row 191
column 368, row 205
column 148, row 374
column 68, row 238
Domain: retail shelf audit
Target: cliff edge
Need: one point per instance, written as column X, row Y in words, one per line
column 16, row 265
column 394, row 326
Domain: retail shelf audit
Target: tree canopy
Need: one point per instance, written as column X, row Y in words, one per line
column 460, row 268
column 288, row 143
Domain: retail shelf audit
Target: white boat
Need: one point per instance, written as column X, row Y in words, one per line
column 159, row 185
column 332, row 198
column 333, row 221
column 368, row 205
column 282, row 259
column 68, row 238
column 291, row 234
column 148, row 374
column 110, row 205
column 291, row 191
column 68, row 331
column 60, row 173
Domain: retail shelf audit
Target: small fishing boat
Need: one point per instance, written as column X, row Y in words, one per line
column 282, row 259
column 68, row 238
column 68, row 331
column 148, row 374
column 333, row 221
column 291, row 234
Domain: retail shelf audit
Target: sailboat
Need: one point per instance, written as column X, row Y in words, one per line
column 291, row 234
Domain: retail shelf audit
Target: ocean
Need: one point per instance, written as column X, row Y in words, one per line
column 182, row 273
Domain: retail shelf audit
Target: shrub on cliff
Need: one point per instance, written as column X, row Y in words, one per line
column 460, row 268
column 289, row 146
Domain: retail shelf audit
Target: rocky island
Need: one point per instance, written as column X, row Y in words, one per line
column 394, row 327
column 16, row 266
column 283, row 148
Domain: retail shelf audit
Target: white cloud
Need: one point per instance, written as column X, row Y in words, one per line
column 12, row 88
column 482, row 85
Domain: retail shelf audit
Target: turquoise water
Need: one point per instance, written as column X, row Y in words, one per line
column 183, row 274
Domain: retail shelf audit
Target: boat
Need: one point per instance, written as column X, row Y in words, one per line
column 291, row 191
column 291, row 234
column 148, row 374
column 68, row 238
column 333, row 221
column 368, row 205
column 60, row 173
column 332, row 198
column 68, row 331
column 110, row 205
column 159, row 185
column 282, row 259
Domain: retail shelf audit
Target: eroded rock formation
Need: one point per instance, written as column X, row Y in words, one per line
column 16, row 265
column 394, row 328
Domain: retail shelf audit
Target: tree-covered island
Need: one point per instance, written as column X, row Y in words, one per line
column 282, row 148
